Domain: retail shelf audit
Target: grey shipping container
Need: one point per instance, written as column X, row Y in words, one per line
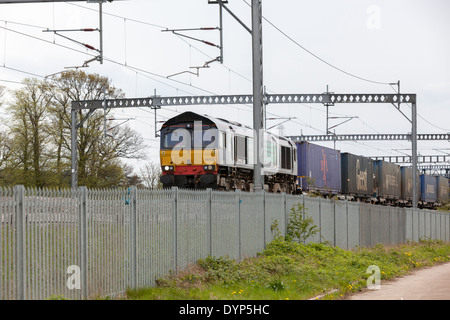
column 357, row 175
column 319, row 168
column 387, row 180
column 442, row 189
column 407, row 184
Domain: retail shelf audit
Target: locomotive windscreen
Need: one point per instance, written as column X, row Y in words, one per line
column 189, row 135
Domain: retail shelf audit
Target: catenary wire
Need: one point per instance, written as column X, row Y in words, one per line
column 145, row 71
column 316, row 56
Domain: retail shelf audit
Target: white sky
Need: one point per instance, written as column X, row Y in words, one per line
column 383, row 41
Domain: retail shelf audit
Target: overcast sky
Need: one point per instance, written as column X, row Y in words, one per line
column 380, row 41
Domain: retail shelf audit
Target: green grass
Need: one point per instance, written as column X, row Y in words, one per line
column 289, row 270
column 445, row 207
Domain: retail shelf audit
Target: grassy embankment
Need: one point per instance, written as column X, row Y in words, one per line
column 287, row 269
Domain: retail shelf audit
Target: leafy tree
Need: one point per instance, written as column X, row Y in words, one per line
column 29, row 132
column 99, row 154
column 5, row 154
column 35, row 150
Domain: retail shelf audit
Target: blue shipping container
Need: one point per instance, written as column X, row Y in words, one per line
column 428, row 188
column 319, row 168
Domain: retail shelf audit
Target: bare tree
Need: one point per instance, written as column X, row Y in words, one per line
column 2, row 92
column 150, row 175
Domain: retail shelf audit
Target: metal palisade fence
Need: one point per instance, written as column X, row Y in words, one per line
column 87, row 243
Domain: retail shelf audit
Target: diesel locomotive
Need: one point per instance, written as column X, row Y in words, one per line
column 199, row 151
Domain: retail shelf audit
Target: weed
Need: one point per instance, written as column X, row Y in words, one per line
column 276, row 285
column 300, row 226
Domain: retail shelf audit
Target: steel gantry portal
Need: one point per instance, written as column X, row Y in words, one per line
column 157, row 102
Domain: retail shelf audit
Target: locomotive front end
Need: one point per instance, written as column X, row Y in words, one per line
column 188, row 153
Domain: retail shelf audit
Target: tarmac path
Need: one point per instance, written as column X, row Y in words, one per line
column 431, row 283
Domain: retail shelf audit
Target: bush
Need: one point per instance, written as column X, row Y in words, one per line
column 300, row 226
column 217, row 264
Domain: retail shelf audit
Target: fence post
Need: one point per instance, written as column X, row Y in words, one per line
column 286, row 215
column 304, row 210
column 264, row 218
column 209, row 220
column 334, row 221
column 133, row 235
column 82, row 234
column 19, row 197
column 175, row 227
column 320, row 220
column 239, row 221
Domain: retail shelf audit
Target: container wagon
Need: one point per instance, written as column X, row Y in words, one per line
column 319, row 169
column 442, row 189
column 428, row 191
column 357, row 177
column 407, row 186
column 387, row 182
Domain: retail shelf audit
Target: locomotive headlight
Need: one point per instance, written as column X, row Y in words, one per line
column 209, row 168
column 168, row 168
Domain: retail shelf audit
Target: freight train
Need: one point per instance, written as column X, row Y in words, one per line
column 199, row 151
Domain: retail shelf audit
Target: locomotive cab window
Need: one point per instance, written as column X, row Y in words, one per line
column 271, row 153
column 184, row 135
column 240, row 149
column 286, row 158
column 223, row 140
column 171, row 138
column 207, row 138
